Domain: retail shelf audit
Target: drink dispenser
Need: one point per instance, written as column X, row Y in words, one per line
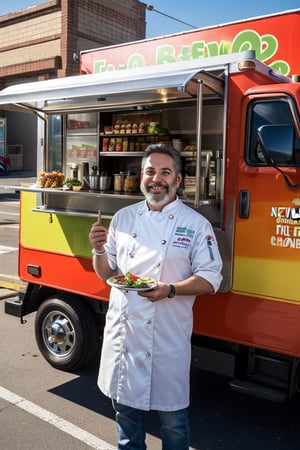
column 72, row 170
column 78, row 170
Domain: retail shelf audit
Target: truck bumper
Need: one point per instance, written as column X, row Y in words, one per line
column 13, row 306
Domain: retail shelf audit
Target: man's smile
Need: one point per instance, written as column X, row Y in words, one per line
column 157, row 187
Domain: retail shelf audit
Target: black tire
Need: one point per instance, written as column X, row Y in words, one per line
column 66, row 332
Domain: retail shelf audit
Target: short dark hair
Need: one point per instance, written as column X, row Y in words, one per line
column 166, row 150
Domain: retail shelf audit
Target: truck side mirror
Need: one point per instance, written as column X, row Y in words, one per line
column 277, row 143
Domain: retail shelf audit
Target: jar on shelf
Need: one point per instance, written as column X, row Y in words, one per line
column 119, row 180
column 131, row 183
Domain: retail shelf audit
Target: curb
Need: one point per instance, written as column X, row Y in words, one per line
column 10, row 289
column 7, row 293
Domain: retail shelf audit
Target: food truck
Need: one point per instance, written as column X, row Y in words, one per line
column 235, row 120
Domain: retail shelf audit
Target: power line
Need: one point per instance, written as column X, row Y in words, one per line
column 151, row 8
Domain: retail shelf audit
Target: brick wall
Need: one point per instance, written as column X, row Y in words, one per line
column 39, row 43
column 42, row 40
column 109, row 24
column 30, row 41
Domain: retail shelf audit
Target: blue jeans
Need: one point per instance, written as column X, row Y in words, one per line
column 131, row 428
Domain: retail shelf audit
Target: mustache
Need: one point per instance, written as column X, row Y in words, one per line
column 157, row 185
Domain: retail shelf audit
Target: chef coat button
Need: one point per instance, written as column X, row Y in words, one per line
column 163, row 242
column 140, row 213
column 148, row 354
column 171, row 216
column 148, row 321
column 133, row 235
column 158, row 265
column 131, row 255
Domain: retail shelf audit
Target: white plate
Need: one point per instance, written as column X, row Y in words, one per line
column 113, row 281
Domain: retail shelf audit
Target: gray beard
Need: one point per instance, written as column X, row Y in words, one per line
column 157, row 199
column 152, row 199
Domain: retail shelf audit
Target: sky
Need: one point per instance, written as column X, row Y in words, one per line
column 197, row 13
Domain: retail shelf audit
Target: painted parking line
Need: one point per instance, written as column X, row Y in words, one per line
column 56, row 421
column 9, row 213
column 5, row 249
column 10, row 277
column 14, row 226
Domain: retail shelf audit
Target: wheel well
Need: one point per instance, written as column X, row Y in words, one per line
column 35, row 294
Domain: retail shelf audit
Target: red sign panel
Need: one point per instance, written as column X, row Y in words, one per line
column 274, row 39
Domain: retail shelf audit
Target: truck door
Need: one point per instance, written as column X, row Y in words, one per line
column 267, row 229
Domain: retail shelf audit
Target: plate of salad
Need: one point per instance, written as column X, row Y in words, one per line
column 132, row 282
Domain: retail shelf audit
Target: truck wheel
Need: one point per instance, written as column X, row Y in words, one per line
column 66, row 332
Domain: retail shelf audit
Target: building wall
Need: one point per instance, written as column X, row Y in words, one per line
column 30, row 42
column 106, row 24
column 41, row 42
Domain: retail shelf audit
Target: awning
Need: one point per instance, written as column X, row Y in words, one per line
column 122, row 88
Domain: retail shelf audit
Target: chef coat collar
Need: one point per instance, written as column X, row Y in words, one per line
column 166, row 208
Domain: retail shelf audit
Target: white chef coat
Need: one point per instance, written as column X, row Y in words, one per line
column 146, row 353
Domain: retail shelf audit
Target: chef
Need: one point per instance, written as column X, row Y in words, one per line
column 145, row 360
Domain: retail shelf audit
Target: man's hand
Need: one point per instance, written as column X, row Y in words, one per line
column 159, row 292
column 98, row 235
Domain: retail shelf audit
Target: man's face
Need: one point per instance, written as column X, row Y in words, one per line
column 159, row 181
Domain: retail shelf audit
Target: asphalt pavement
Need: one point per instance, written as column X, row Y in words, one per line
column 11, row 285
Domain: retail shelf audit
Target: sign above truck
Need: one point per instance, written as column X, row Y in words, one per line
column 273, row 38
